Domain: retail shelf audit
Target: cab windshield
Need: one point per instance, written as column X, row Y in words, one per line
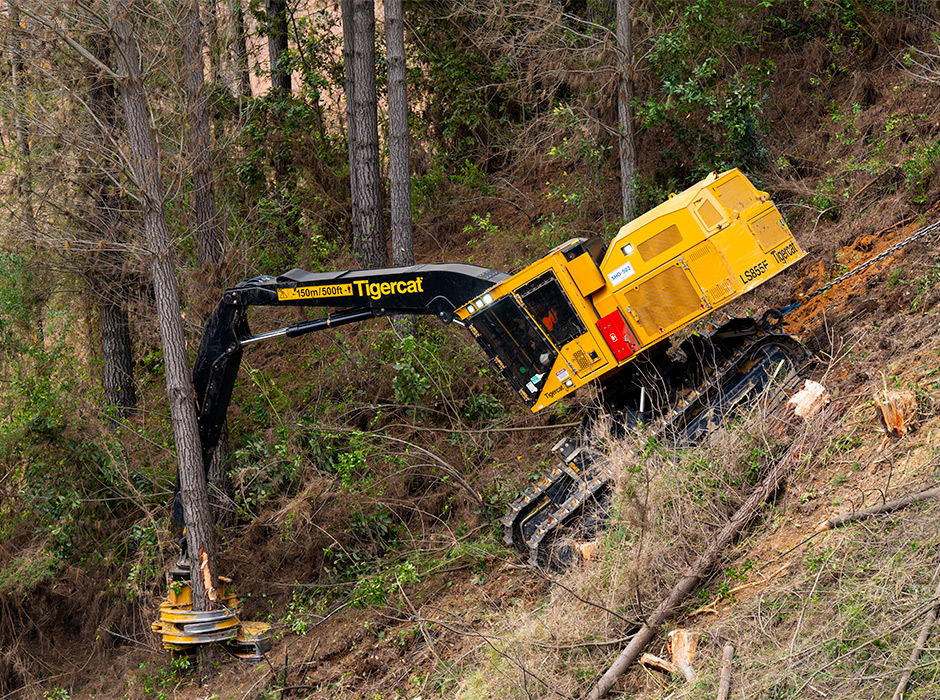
column 507, row 332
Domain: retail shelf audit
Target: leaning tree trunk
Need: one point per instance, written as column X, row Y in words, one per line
column 625, row 110
column 368, row 229
column 145, row 163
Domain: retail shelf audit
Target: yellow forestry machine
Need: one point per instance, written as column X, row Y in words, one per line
column 585, row 313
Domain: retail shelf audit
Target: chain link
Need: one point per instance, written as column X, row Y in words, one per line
column 926, row 230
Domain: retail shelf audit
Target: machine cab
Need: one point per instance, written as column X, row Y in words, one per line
column 538, row 328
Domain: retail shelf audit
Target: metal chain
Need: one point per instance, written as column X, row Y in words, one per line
column 926, row 230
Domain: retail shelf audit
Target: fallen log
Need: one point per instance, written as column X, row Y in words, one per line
column 705, row 564
column 724, row 673
column 918, row 649
column 886, row 507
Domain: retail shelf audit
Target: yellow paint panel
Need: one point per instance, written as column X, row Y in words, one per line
column 659, row 243
column 735, row 193
column 770, row 229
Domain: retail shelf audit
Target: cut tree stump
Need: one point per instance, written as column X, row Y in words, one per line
column 658, row 664
column 682, row 645
column 898, row 413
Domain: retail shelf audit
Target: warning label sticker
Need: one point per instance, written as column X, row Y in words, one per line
column 321, row 291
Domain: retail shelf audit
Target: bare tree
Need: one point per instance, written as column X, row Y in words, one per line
column 368, row 230
column 625, row 109
column 145, row 162
column 399, row 147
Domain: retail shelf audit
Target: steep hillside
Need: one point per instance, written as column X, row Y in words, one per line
column 369, row 468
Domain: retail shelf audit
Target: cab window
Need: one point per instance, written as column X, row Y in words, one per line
column 548, row 305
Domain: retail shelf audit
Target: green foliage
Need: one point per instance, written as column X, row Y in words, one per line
column 410, row 382
column 166, row 682
column 483, row 407
column 711, row 109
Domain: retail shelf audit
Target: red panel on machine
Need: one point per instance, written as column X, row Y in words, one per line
column 618, row 335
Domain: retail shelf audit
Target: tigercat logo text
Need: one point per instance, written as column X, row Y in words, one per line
column 554, row 392
column 377, row 290
column 373, row 290
column 785, row 253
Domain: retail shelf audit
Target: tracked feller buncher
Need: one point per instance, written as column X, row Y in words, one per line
column 585, row 313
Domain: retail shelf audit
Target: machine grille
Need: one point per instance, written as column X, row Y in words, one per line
column 663, row 300
column 580, row 359
column 770, row 230
column 660, row 243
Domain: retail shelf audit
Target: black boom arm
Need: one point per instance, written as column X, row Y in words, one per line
column 358, row 295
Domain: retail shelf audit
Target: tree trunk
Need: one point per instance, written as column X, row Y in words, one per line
column 240, row 50
column 625, row 110
column 118, row 356
column 399, row 148
column 277, row 45
column 212, row 37
column 208, row 234
column 106, row 269
column 349, row 88
column 145, row 163
column 368, row 230
column 23, row 173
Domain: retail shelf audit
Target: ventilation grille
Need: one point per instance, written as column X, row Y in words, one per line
column 770, row 230
column 580, row 359
column 735, row 194
column 664, row 300
column 720, row 291
column 660, row 243
column 708, row 213
column 701, row 251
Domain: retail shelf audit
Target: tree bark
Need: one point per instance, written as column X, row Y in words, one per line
column 349, row 88
column 399, row 147
column 208, row 233
column 146, row 170
column 368, row 230
column 724, row 673
column 117, row 352
column 212, row 37
column 240, row 49
column 106, row 268
column 277, row 45
column 625, row 110
column 886, row 507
